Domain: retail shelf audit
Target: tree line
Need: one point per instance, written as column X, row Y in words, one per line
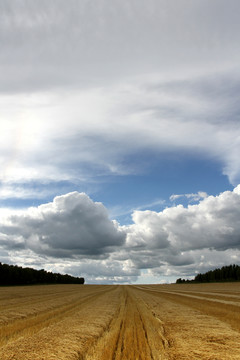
column 225, row 273
column 16, row 275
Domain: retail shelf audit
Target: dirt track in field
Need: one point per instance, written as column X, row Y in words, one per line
column 148, row 322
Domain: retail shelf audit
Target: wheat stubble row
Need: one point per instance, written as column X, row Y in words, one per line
column 155, row 322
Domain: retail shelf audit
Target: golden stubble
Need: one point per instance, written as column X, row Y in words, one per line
column 94, row 322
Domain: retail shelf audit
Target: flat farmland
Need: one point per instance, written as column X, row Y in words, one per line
column 132, row 322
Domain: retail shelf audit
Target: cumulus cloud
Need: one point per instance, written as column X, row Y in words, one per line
column 105, row 271
column 72, row 225
column 213, row 223
column 74, row 234
column 200, row 261
column 79, row 83
column 185, row 240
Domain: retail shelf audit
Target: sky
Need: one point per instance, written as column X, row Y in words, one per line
column 120, row 137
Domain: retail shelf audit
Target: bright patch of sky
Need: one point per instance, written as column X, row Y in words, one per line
column 134, row 105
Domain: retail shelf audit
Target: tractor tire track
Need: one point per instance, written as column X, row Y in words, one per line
column 134, row 333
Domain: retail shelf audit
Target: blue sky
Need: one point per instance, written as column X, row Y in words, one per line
column 133, row 105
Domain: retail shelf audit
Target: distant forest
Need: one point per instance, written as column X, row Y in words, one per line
column 226, row 273
column 16, row 275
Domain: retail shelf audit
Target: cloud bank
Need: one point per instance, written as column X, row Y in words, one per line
column 76, row 235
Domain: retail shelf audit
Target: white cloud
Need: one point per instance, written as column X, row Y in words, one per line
column 76, row 136
column 105, row 271
column 192, row 197
column 185, row 241
column 80, row 82
column 74, row 234
column 83, row 87
column 71, row 226
column 213, row 223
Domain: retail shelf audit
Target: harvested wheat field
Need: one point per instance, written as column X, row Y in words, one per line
column 76, row 322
